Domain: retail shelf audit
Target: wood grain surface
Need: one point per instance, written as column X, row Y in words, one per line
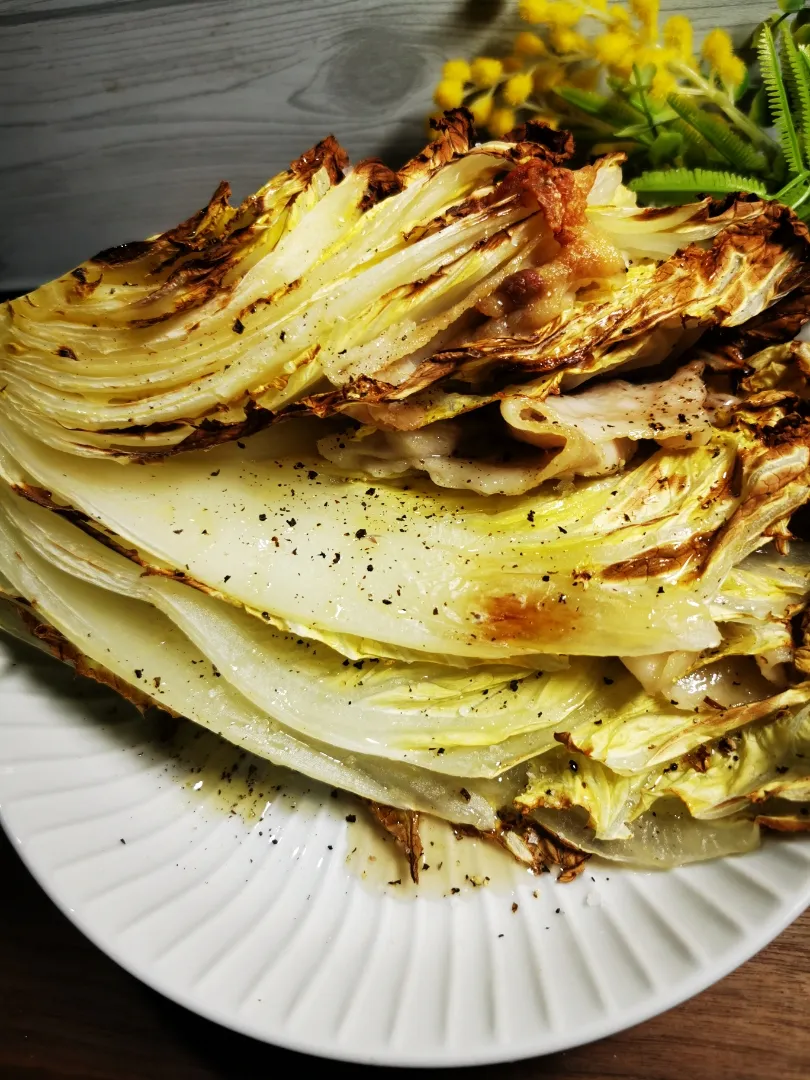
column 119, row 117
column 66, row 1011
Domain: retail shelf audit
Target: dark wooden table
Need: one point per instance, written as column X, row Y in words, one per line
column 68, row 1011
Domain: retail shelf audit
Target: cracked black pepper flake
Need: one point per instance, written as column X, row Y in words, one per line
column 262, row 517
column 351, row 818
column 138, row 673
column 465, row 794
column 239, row 327
column 360, row 534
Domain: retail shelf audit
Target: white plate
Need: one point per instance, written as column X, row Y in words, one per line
column 256, row 923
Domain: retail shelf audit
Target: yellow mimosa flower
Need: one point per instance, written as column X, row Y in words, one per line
column 533, row 11
column 646, row 11
column 485, row 71
column 449, row 94
column 678, row 35
column 614, row 47
column 529, row 44
column 567, row 41
column 663, row 83
column 481, row 109
column 517, row 89
column 456, row 70
column 501, row 121
column 560, row 14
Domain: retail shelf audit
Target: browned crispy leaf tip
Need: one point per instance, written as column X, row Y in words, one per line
column 403, row 825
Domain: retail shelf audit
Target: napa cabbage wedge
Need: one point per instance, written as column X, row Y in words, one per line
column 194, row 335
column 363, row 278
column 764, row 760
column 744, row 766
column 429, row 648
column 184, row 676
column 12, row 623
column 561, row 780
column 657, row 840
column 406, row 565
column 654, row 311
column 613, row 801
column 644, row 731
column 766, row 585
column 754, row 608
column 146, row 654
column 433, row 571
column 478, row 722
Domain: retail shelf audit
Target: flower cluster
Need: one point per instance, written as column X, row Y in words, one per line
column 587, row 45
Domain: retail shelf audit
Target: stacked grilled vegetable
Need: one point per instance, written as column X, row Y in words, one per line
column 470, row 488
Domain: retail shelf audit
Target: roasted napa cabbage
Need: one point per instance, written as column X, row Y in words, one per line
column 473, row 489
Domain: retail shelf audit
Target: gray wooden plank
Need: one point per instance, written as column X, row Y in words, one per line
column 19, row 12
column 118, row 117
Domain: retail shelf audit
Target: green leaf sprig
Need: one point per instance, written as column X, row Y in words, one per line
column 729, row 119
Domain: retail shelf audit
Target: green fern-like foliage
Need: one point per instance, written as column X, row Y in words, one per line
column 738, row 153
column 693, row 182
column 694, row 140
column 795, row 69
column 778, row 100
column 707, row 139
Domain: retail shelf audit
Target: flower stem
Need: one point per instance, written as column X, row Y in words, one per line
column 726, row 105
